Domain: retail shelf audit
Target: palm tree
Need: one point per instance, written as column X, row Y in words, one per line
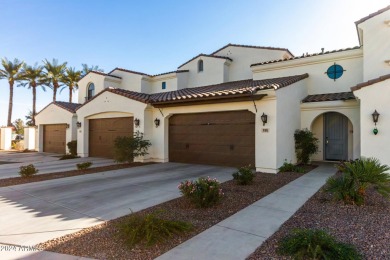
column 87, row 69
column 54, row 74
column 72, row 76
column 33, row 76
column 11, row 72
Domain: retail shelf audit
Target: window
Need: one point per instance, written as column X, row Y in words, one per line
column 335, row 71
column 164, row 85
column 91, row 91
column 200, row 65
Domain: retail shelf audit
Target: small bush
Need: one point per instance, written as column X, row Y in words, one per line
column 289, row 167
column 356, row 177
column 69, row 156
column 316, row 244
column 72, row 146
column 28, row 171
column 204, row 192
column 84, row 165
column 244, row 175
column 305, row 145
column 150, row 229
column 127, row 147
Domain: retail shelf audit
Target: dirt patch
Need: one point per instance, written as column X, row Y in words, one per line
column 367, row 227
column 57, row 175
column 103, row 242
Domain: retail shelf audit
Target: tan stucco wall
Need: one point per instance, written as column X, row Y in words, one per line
column 375, row 97
column 53, row 114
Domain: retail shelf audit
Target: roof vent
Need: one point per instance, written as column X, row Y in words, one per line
column 322, row 50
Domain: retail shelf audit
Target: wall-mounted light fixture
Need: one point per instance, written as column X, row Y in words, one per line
column 264, row 118
column 156, row 122
column 136, row 122
column 375, row 118
column 67, row 125
column 78, row 124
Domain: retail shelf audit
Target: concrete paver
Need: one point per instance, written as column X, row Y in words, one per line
column 239, row 235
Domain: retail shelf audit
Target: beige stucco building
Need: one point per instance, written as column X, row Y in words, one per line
column 210, row 109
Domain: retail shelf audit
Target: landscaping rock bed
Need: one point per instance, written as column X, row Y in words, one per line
column 103, row 242
column 367, row 227
column 57, row 175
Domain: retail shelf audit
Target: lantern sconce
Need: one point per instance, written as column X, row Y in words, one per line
column 67, row 125
column 78, row 124
column 375, row 118
column 136, row 122
column 156, row 122
column 264, row 118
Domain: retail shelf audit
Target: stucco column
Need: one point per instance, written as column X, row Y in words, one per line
column 6, row 138
column 29, row 138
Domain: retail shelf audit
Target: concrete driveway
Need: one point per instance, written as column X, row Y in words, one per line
column 44, row 162
column 36, row 212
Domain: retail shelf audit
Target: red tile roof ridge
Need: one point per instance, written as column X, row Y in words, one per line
column 370, row 82
column 306, row 56
column 372, row 15
column 253, row 46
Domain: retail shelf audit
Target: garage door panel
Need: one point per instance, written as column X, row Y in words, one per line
column 103, row 132
column 54, row 138
column 220, row 138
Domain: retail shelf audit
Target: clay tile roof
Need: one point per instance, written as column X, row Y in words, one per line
column 71, row 107
column 100, row 73
column 370, row 82
column 248, row 86
column 141, row 97
column 372, row 15
column 205, row 55
column 131, row 71
column 243, row 87
column 329, row 97
column 175, row 71
column 252, row 46
column 306, row 56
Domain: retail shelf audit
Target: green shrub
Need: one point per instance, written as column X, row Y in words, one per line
column 127, row 147
column 68, row 156
column 356, row 177
column 28, row 171
column 316, row 244
column 289, row 167
column 244, row 175
column 84, row 165
column 204, row 192
column 150, row 229
column 72, row 146
column 305, row 145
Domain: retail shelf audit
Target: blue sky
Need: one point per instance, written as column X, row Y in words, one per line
column 157, row 36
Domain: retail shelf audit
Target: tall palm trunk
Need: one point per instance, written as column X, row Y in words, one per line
column 10, row 104
column 55, row 87
column 70, row 93
column 34, row 92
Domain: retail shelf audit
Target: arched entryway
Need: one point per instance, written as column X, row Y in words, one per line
column 334, row 131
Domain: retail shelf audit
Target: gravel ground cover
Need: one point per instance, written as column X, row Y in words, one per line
column 57, row 175
column 103, row 242
column 367, row 227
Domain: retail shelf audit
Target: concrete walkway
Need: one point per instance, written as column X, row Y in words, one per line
column 239, row 235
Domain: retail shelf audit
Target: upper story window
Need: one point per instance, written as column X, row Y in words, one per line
column 200, row 65
column 91, row 91
column 164, row 85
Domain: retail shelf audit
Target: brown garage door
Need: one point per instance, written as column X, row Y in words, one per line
column 54, row 138
column 220, row 138
column 102, row 133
